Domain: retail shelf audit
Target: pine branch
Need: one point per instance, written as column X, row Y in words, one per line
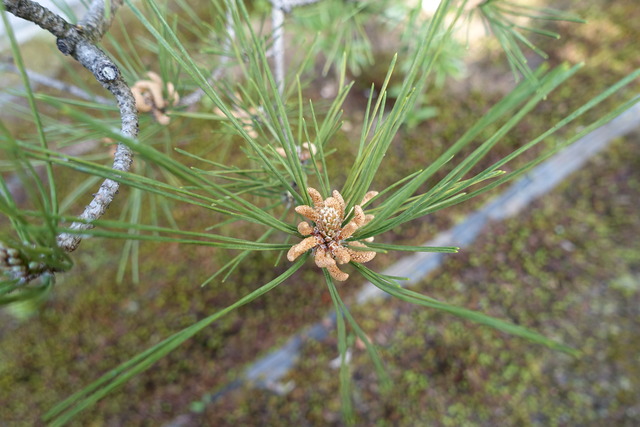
column 80, row 43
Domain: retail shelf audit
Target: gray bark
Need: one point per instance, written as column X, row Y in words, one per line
column 79, row 41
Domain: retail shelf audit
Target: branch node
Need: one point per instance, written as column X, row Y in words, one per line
column 65, row 46
column 106, row 72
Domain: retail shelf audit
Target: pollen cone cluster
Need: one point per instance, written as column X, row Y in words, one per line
column 327, row 237
column 149, row 97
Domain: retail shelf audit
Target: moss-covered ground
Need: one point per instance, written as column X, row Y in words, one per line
column 567, row 268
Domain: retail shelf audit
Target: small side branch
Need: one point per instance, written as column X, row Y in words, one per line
column 98, row 20
column 278, row 10
column 287, row 5
column 197, row 95
column 61, row 86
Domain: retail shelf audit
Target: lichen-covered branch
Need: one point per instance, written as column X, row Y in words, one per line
column 80, row 43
